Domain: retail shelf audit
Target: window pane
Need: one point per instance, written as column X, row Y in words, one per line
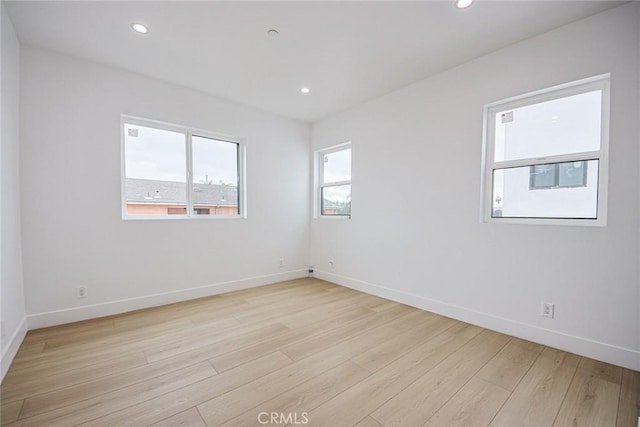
column 513, row 196
column 215, row 176
column 543, row 176
column 336, row 200
column 337, row 166
column 560, row 126
column 558, row 175
column 572, row 174
column 155, row 171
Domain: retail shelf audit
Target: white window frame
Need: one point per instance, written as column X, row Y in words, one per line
column 189, row 133
column 600, row 82
column 319, row 179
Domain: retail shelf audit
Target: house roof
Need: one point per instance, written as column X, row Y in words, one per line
column 328, row 204
column 146, row 191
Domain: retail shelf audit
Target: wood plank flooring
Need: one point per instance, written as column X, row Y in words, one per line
column 304, row 352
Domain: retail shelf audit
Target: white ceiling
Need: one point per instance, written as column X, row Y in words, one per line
column 347, row 52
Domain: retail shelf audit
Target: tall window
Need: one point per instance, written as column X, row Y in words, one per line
column 546, row 155
column 334, row 181
column 171, row 171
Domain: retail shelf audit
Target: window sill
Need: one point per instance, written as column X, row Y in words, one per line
column 333, row 217
column 549, row 221
column 181, row 217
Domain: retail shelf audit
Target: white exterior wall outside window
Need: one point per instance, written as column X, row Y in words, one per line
column 333, row 171
column 546, row 156
column 170, row 171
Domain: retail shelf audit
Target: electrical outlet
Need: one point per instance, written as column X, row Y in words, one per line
column 546, row 310
column 281, row 262
column 81, row 292
column 331, row 263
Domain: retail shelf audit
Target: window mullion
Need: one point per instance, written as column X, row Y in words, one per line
column 239, row 169
column 189, row 137
column 320, row 166
column 321, row 169
column 489, row 174
column 336, row 184
column 574, row 157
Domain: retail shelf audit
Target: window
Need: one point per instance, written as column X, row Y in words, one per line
column 334, row 181
column 176, row 211
column 546, row 156
column 175, row 172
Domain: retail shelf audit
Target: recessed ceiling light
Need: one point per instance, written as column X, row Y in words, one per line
column 305, row 90
column 273, row 32
column 462, row 4
column 140, row 28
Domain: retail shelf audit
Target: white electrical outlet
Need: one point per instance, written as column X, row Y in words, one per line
column 331, row 263
column 81, row 292
column 281, row 262
column 546, row 310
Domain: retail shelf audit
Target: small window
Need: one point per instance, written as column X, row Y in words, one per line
column 171, row 171
column 545, row 156
column 177, row 211
column 334, row 181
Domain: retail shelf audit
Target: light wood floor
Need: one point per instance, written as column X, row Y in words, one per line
column 312, row 351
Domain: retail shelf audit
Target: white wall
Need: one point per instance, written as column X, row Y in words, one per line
column 415, row 235
column 12, row 310
column 73, row 231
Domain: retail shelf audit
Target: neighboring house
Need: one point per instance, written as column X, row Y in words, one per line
column 335, row 208
column 329, row 207
column 150, row 197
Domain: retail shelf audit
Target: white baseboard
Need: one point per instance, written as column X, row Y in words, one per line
column 609, row 353
column 11, row 350
column 75, row 314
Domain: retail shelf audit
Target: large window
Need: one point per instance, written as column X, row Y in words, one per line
column 334, row 181
column 546, row 156
column 170, row 171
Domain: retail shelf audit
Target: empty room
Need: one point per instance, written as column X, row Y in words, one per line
column 320, row 213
